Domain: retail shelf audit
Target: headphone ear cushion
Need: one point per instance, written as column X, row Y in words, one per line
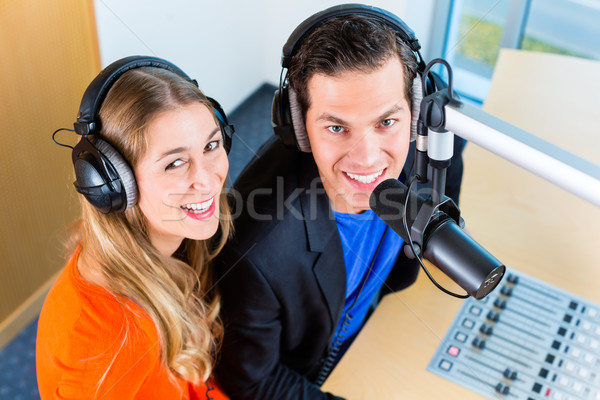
column 298, row 122
column 123, row 170
column 281, row 119
column 417, row 90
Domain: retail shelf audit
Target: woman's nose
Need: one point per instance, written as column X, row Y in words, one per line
column 208, row 174
column 200, row 176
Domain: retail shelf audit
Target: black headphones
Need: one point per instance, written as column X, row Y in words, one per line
column 102, row 174
column 286, row 116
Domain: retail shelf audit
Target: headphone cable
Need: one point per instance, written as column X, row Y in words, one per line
column 57, row 142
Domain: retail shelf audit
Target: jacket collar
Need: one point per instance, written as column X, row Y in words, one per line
column 318, row 217
column 322, row 236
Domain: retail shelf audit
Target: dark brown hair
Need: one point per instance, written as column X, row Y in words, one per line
column 344, row 44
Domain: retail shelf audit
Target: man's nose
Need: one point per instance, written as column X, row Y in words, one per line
column 365, row 150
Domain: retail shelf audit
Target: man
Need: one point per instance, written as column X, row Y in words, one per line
column 309, row 257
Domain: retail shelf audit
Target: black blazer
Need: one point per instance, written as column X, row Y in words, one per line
column 282, row 279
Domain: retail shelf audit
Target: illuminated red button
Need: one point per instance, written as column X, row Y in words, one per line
column 453, row 351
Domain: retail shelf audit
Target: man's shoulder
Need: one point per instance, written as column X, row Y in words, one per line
column 269, row 217
column 267, row 194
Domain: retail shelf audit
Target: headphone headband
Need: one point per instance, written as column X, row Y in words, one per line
column 98, row 89
column 308, row 25
column 287, row 117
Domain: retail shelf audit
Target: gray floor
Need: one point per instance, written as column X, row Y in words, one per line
column 252, row 124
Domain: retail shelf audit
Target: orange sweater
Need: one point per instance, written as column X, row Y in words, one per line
column 80, row 336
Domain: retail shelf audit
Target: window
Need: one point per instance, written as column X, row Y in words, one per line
column 478, row 29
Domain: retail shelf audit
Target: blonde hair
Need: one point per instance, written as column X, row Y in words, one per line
column 177, row 292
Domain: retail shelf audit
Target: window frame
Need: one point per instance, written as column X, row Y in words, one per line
column 447, row 18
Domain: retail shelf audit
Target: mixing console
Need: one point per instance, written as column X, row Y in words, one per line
column 526, row 340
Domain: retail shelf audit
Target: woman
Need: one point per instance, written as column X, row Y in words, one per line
column 133, row 315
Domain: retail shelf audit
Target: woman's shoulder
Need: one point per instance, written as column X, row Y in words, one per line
column 85, row 331
column 86, row 320
column 88, row 308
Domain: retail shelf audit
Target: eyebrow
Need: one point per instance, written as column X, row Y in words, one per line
column 213, row 133
column 394, row 109
column 172, row 151
column 332, row 118
column 177, row 150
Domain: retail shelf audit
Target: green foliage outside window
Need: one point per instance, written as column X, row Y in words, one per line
column 479, row 40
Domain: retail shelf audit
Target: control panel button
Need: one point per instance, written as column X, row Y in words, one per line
column 468, row 323
column 569, row 367
column 445, row 365
column 558, row 396
column 586, row 326
column 453, row 351
column 583, row 372
column 568, row 318
column 475, row 310
column 461, row 337
column 562, row 331
column 563, row 381
column 556, row 345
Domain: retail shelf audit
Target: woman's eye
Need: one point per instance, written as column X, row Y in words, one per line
column 212, row 145
column 388, row 122
column 335, row 129
column 175, row 164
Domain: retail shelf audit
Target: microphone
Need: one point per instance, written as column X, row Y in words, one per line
column 438, row 237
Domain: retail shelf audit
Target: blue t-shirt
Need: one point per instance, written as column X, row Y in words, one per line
column 360, row 235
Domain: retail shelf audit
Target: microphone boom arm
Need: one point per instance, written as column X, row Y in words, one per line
column 432, row 225
column 514, row 144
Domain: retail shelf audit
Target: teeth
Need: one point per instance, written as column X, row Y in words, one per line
column 198, row 208
column 365, row 178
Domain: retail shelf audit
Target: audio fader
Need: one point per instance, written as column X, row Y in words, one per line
column 526, row 340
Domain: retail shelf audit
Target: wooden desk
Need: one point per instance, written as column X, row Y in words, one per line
column 526, row 222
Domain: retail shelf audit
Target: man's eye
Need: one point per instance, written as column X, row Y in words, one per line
column 212, row 145
column 336, row 129
column 388, row 122
column 175, row 164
